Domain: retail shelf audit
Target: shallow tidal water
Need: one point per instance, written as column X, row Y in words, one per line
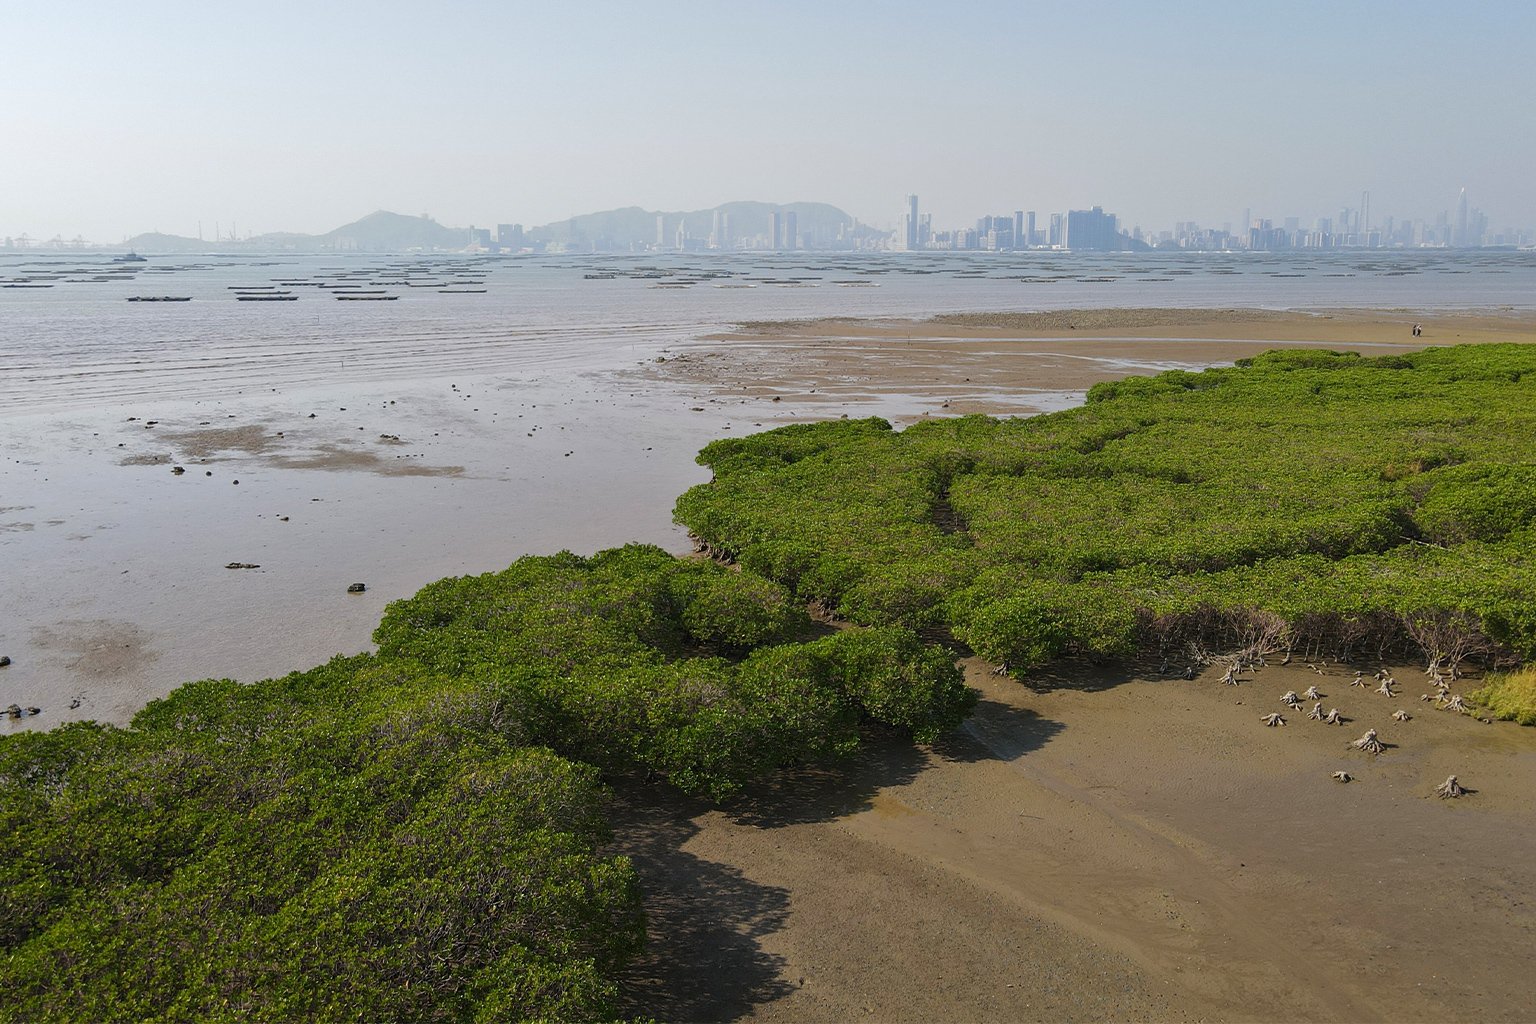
column 448, row 431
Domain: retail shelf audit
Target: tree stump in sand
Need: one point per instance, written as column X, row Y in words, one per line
column 1401, row 715
column 1450, row 789
column 1316, row 714
column 1369, row 743
column 1310, row 693
column 1333, row 717
column 1342, row 776
column 1385, row 689
column 1455, row 703
column 1289, row 699
column 1273, row 719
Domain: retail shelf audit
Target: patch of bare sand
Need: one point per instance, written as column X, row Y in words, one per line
column 995, row 362
column 147, row 459
column 1109, row 848
column 98, row 649
column 274, row 448
column 207, row 442
column 344, row 458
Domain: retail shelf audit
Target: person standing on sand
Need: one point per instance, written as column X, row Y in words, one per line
column 1417, row 330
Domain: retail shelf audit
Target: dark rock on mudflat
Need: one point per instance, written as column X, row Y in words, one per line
column 5, row 659
column 13, row 712
column 357, row 588
column 242, row 565
column 177, row 470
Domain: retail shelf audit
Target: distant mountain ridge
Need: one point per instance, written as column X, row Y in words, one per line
column 632, row 227
column 380, row 231
column 623, row 229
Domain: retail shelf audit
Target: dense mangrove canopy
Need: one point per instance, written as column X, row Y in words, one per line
column 1310, row 499
column 418, row 835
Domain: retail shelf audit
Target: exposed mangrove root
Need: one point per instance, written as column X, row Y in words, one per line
column 1273, row 719
column 1333, row 717
column 1342, row 776
column 1259, row 635
column 1316, row 714
column 1385, row 689
column 1450, row 789
column 1290, row 699
column 1455, row 703
column 1359, row 681
column 1369, row 743
column 1310, row 693
column 1401, row 715
column 708, row 550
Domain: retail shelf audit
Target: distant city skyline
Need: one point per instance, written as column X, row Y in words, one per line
column 286, row 116
column 1465, row 226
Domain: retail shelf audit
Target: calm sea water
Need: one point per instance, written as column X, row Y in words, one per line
column 77, row 342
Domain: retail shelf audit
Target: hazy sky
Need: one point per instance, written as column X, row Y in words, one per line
column 119, row 117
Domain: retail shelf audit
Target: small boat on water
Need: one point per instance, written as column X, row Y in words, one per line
column 131, row 257
column 359, row 297
column 267, row 297
column 159, row 298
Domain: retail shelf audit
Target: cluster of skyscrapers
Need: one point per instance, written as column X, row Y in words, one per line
column 1093, row 230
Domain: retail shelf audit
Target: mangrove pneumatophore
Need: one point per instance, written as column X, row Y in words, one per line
column 1450, row 789
column 1368, row 743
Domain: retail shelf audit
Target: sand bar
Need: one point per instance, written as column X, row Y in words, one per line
column 1012, row 363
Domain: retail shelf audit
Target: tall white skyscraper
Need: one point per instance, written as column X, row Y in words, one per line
column 1461, row 221
column 909, row 224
